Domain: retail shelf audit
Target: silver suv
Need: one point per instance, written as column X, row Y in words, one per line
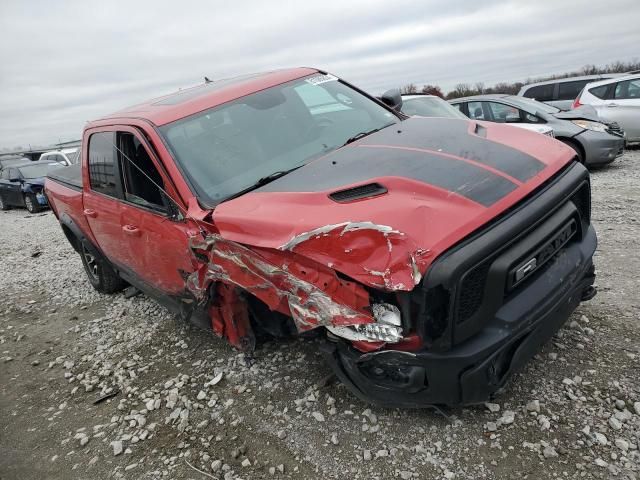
column 562, row 91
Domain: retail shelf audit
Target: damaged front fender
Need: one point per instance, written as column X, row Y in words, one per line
column 376, row 255
column 278, row 280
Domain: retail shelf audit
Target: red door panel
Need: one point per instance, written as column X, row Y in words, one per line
column 158, row 248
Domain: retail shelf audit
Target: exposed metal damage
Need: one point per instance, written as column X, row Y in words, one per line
column 277, row 282
column 377, row 255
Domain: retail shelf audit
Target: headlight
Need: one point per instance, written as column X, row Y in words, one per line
column 595, row 126
column 387, row 327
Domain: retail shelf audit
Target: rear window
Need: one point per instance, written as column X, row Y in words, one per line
column 542, row 93
column 430, row 107
column 102, row 173
column 600, row 91
column 570, row 90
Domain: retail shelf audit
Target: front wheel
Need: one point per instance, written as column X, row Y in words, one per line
column 31, row 202
column 100, row 274
column 3, row 204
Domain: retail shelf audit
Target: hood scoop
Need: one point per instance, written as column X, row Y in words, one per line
column 358, row 193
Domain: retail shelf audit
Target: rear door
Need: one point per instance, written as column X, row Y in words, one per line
column 14, row 188
column 103, row 194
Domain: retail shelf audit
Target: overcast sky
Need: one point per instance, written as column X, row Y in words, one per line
column 64, row 63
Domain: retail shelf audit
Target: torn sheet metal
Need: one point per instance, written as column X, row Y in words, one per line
column 377, row 255
column 322, row 300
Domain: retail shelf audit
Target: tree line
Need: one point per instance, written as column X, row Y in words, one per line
column 479, row 88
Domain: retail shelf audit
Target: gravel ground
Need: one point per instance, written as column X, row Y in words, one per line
column 96, row 386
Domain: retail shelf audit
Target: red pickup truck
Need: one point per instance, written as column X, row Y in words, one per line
column 436, row 255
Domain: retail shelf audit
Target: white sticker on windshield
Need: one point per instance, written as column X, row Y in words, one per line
column 318, row 79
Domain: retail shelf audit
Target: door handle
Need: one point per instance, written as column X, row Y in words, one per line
column 612, row 104
column 131, row 230
column 90, row 213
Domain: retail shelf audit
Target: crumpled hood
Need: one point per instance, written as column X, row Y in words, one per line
column 444, row 178
column 584, row 112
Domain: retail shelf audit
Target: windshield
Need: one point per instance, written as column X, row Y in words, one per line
column 430, row 107
column 530, row 103
column 38, row 170
column 229, row 148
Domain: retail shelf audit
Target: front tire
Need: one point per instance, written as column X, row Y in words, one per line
column 100, row 274
column 3, row 204
column 31, row 202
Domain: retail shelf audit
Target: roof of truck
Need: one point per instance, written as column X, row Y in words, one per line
column 185, row 102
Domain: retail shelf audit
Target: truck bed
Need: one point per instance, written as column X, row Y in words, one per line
column 68, row 176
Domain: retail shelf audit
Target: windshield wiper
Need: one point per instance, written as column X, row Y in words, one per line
column 360, row 135
column 263, row 181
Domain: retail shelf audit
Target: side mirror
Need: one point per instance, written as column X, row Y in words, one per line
column 392, row 98
column 15, row 179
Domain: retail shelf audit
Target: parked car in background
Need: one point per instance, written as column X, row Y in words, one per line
column 66, row 157
column 290, row 200
column 561, row 92
column 615, row 100
column 425, row 105
column 594, row 141
column 8, row 160
column 22, row 185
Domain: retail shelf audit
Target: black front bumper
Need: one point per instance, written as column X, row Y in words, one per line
column 509, row 326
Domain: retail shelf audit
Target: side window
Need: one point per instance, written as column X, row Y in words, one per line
column 142, row 183
column 102, row 168
column 600, row 91
column 627, row 89
column 475, row 110
column 457, row 105
column 5, row 174
column 14, row 173
column 570, row 90
column 530, row 118
column 542, row 93
column 504, row 113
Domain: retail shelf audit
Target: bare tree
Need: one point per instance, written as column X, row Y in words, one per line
column 410, row 88
column 480, row 88
column 432, row 90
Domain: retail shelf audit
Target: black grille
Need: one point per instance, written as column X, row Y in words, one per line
column 356, row 193
column 614, row 129
column 582, row 200
column 472, row 291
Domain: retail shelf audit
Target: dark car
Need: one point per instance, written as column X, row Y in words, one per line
column 10, row 160
column 21, row 185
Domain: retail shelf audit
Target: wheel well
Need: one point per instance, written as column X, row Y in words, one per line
column 575, row 145
column 73, row 240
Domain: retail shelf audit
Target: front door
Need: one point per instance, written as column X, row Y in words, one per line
column 157, row 241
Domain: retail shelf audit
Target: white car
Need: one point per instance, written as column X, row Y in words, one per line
column 67, row 156
column 616, row 100
column 424, row 105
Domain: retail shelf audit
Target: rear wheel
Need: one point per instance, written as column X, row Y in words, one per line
column 99, row 272
column 3, row 205
column 575, row 148
column 31, row 202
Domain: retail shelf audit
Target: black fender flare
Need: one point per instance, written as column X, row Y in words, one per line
column 76, row 236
